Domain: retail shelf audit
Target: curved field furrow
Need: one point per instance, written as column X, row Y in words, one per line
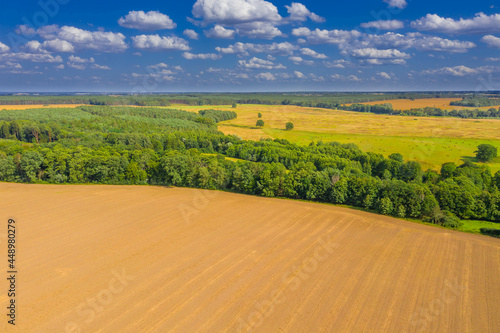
column 154, row 259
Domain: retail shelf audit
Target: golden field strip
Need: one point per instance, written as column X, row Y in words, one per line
column 155, row 259
column 442, row 103
column 37, row 106
column 431, row 141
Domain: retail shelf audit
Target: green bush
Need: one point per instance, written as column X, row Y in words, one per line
column 490, row 232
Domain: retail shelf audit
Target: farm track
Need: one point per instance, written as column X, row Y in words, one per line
column 215, row 262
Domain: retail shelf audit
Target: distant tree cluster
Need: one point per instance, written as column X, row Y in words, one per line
column 476, row 102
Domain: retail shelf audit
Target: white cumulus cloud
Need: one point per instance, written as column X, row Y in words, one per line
column 82, row 39
column 299, row 75
column 256, row 63
column 401, row 4
column 285, row 48
column 311, row 53
column 480, row 24
column 157, row 43
column 152, row 20
column 262, row 30
column 492, row 41
column 4, row 48
column 191, row 34
column 219, row 32
column 235, row 11
column 384, row 75
column 318, row 36
column 462, row 71
column 202, row 56
column 299, row 12
column 265, row 76
column 300, row 61
column 373, row 53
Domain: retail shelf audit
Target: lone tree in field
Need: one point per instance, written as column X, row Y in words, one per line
column 260, row 123
column 259, row 115
column 289, row 126
column 234, row 105
column 486, row 153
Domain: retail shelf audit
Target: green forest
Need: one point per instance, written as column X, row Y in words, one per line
column 129, row 145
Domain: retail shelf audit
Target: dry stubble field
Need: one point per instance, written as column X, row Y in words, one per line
column 154, row 259
column 442, row 103
column 37, row 106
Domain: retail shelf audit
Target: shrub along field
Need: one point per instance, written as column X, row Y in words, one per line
column 431, row 141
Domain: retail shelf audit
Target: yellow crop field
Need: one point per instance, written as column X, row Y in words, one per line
column 431, row 141
column 37, row 106
column 442, row 103
column 153, row 259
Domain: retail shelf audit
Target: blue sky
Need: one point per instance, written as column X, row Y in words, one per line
column 249, row 45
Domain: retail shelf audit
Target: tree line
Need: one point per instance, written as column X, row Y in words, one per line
column 387, row 108
column 119, row 145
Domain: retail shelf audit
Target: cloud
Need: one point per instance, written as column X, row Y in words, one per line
column 462, row 71
column 157, row 43
column 266, row 76
column 235, row 11
column 33, row 57
column 344, row 78
column 299, row 75
column 58, row 45
column 158, row 66
column 415, row 40
column 384, row 25
column 492, row 41
column 201, row 56
column 82, row 63
column 256, row 63
column 247, row 48
column 96, row 66
column 262, row 30
column 383, row 61
column 79, row 60
column 11, row 65
column 152, row 20
column 401, row 4
column 191, row 34
column 443, row 45
column 326, row 36
column 480, row 24
column 55, row 45
column 299, row 61
column 492, row 59
column 219, row 32
column 311, row 53
column 373, row 53
column 81, row 39
column 16, row 68
column 160, row 72
column 299, row 12
column 341, row 63
column 4, row 48
column 384, row 75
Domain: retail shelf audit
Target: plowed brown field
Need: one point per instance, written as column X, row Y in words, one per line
column 153, row 259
